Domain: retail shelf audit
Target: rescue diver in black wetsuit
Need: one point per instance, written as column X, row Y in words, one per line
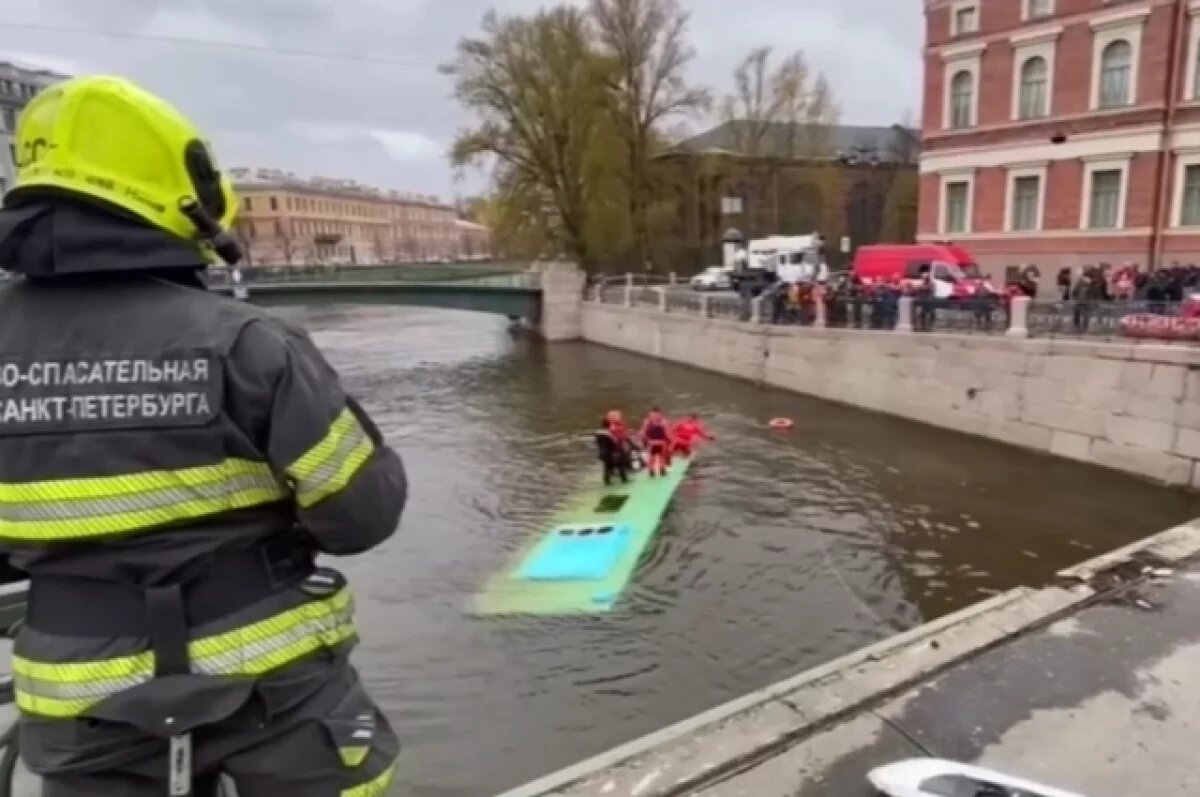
column 612, row 453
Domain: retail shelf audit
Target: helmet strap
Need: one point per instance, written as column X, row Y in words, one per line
column 224, row 244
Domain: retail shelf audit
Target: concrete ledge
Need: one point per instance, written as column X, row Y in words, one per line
column 684, row 756
column 1167, row 547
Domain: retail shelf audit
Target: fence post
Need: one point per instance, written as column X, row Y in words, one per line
column 1018, row 324
column 756, row 305
column 705, row 306
column 904, row 314
column 662, row 299
column 819, row 319
column 628, row 289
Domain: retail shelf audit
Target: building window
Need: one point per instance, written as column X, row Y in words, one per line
column 1026, row 199
column 1195, row 92
column 10, row 120
column 1037, row 9
column 966, row 20
column 961, row 96
column 274, row 203
column 1104, row 210
column 957, row 199
column 1116, row 67
column 248, row 204
column 1034, row 74
column 1189, row 214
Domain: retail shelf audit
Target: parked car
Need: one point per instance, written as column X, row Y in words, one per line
column 953, row 269
column 713, row 278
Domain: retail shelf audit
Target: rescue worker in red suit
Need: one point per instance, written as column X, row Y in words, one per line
column 686, row 433
column 656, row 438
column 195, row 456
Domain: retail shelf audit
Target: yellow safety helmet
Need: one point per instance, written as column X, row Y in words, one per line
column 105, row 138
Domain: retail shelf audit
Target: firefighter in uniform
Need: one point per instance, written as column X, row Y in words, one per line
column 171, row 462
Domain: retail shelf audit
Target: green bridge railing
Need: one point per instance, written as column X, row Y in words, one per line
column 494, row 274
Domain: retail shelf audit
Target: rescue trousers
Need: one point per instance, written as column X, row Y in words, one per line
column 314, row 748
column 617, row 466
column 659, row 452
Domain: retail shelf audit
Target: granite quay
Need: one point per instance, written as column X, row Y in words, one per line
column 1032, row 682
column 1127, row 404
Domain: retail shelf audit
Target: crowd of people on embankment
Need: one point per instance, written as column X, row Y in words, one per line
column 1135, row 301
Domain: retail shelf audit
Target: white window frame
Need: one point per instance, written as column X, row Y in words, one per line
column 1193, row 52
column 1105, row 164
column 1038, row 170
column 1127, row 25
column 955, row 60
column 956, row 176
column 1042, row 43
column 963, row 5
column 1027, row 7
column 1183, row 159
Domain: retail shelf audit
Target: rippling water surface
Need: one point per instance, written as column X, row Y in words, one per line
column 780, row 551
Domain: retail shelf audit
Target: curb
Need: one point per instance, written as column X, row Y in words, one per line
column 737, row 734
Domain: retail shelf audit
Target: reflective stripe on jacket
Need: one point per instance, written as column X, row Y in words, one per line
column 145, row 428
column 67, row 689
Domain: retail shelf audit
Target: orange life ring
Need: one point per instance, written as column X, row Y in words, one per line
column 780, row 423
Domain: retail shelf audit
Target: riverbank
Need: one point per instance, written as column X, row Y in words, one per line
column 1133, row 407
column 1035, row 681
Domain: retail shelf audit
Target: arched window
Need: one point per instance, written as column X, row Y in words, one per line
column 1032, row 100
column 961, row 90
column 1116, row 68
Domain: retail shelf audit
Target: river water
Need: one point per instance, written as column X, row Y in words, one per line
column 781, row 551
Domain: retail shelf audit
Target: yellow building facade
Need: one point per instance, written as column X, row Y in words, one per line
column 288, row 220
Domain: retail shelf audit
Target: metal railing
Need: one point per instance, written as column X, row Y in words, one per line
column 1097, row 320
column 376, row 275
column 1130, row 321
column 397, row 272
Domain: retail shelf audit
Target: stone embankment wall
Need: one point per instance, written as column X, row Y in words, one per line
column 1132, row 407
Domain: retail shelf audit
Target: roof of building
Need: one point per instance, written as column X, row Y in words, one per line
column 40, row 76
column 245, row 178
column 889, row 144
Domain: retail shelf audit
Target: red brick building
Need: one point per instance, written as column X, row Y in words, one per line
column 1062, row 132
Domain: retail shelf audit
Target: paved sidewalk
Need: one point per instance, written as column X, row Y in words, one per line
column 1105, row 702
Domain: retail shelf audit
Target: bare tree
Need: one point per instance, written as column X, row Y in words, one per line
column 284, row 240
column 752, row 109
column 646, row 41
column 806, row 110
column 242, row 232
column 538, row 90
column 784, row 112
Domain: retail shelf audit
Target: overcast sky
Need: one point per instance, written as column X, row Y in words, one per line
column 390, row 124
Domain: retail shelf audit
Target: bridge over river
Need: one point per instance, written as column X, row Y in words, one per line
column 544, row 297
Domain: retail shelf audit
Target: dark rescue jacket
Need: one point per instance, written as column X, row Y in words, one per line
column 171, row 462
column 608, row 448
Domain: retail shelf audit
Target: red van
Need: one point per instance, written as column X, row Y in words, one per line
column 955, row 274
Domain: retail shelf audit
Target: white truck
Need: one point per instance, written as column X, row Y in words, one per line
column 790, row 258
